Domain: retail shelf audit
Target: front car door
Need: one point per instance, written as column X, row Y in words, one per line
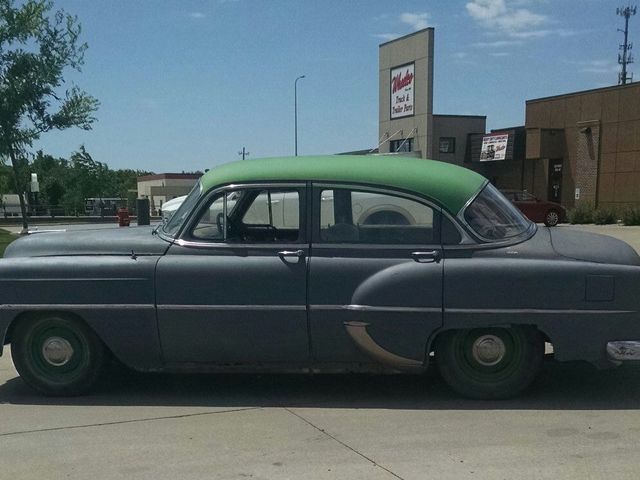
column 233, row 289
column 376, row 273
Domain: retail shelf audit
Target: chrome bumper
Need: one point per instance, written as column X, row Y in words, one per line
column 624, row 351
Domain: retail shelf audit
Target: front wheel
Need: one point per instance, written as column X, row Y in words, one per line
column 490, row 363
column 57, row 355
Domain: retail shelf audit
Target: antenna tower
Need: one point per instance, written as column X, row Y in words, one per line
column 625, row 58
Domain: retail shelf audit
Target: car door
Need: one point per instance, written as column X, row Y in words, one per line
column 375, row 281
column 233, row 289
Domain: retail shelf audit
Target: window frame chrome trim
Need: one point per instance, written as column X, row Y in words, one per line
column 188, row 224
column 465, row 238
column 521, row 237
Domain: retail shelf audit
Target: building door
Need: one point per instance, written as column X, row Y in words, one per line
column 555, row 181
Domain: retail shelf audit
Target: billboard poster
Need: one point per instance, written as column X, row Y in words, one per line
column 494, row 147
column 402, row 92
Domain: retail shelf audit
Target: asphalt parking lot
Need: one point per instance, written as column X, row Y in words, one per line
column 576, row 422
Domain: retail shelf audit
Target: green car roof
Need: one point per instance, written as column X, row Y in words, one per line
column 449, row 185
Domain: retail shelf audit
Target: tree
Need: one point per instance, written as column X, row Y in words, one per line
column 36, row 47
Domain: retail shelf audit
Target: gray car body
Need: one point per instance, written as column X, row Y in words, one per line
column 162, row 304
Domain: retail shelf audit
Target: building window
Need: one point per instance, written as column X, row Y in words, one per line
column 447, row 144
column 402, row 145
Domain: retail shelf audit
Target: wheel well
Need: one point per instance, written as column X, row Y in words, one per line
column 434, row 338
column 24, row 316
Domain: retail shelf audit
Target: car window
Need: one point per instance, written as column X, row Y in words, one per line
column 493, row 217
column 174, row 224
column 527, row 197
column 279, row 209
column 252, row 216
column 352, row 216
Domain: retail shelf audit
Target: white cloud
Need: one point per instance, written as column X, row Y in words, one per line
column 197, row 15
column 417, row 21
column 498, row 16
column 596, row 66
column 460, row 54
column 498, row 44
column 386, row 36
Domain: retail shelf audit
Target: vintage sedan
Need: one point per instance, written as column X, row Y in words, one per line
column 234, row 282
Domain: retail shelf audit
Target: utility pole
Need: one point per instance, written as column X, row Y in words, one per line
column 625, row 58
column 295, row 111
column 244, row 153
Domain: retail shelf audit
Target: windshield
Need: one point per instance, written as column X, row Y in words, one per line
column 172, row 227
column 493, row 217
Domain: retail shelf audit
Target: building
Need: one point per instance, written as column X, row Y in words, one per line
column 165, row 186
column 499, row 156
column 406, row 121
column 584, row 147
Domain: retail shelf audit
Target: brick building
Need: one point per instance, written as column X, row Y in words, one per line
column 585, row 147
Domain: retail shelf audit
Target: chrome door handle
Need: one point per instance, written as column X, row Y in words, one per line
column 429, row 256
column 291, row 253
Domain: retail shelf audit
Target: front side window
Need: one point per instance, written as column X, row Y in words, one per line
column 250, row 216
column 493, row 217
column 352, row 216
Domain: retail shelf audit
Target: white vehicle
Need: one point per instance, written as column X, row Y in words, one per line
column 10, row 205
column 170, row 207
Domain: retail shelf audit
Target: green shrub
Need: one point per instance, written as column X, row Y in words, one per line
column 583, row 213
column 605, row 216
column 631, row 216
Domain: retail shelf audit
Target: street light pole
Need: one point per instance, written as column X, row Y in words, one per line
column 295, row 110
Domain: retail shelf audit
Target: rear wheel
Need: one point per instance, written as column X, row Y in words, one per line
column 490, row 363
column 57, row 355
column 552, row 218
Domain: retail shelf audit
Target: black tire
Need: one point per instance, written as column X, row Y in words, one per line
column 496, row 373
column 552, row 218
column 60, row 372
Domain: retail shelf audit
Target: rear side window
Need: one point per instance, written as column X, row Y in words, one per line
column 355, row 216
column 493, row 217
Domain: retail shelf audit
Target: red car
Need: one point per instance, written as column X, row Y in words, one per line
column 549, row 213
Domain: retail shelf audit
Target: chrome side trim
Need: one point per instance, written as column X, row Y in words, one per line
column 375, row 308
column 231, row 307
column 537, row 311
column 77, row 306
column 358, row 333
column 87, row 279
column 326, row 307
column 624, row 350
column 372, row 308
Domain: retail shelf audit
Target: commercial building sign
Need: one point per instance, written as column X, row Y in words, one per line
column 494, row 147
column 402, row 93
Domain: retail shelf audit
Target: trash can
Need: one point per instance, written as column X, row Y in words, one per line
column 144, row 215
column 123, row 217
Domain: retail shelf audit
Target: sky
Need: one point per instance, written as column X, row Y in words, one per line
column 184, row 85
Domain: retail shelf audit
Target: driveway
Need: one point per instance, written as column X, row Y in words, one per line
column 575, row 422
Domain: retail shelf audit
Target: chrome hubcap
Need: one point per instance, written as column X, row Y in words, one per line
column 488, row 350
column 57, row 351
column 552, row 218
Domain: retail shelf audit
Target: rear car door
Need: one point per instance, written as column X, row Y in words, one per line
column 375, row 279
